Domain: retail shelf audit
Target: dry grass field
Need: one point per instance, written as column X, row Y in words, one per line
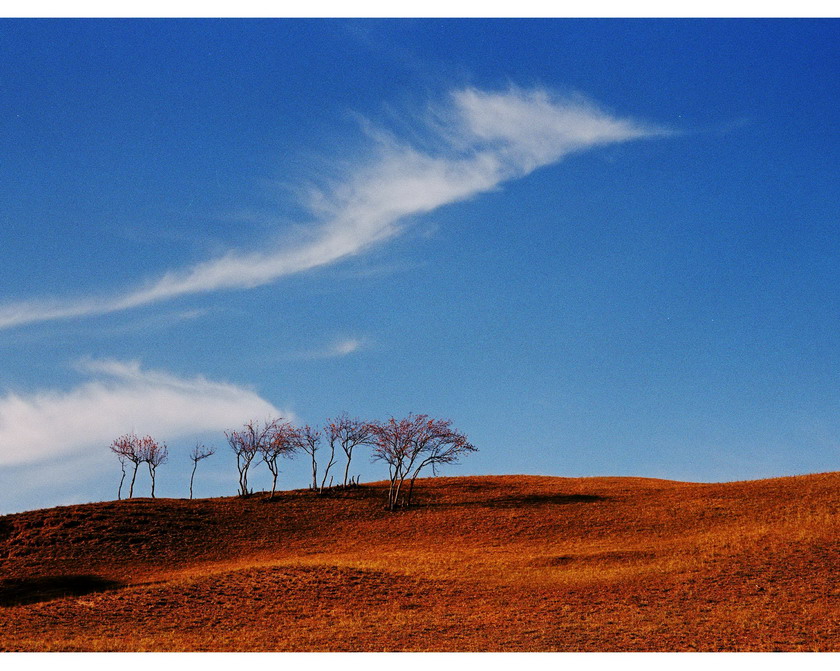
column 507, row 563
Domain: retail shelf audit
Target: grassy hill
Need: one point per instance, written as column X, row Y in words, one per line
column 501, row 563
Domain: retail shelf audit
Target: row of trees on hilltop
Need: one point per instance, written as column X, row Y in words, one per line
column 131, row 449
column 134, row 450
column 407, row 446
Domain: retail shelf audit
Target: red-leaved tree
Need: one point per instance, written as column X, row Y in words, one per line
column 281, row 440
column 146, row 450
column 127, row 449
column 154, row 454
column 247, row 444
column 409, row 445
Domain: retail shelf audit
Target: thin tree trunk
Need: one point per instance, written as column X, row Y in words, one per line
column 243, row 475
column 152, row 476
column 392, row 477
column 397, row 492
column 329, row 465
column 314, row 473
column 347, row 468
column 410, row 489
column 413, row 478
column 394, row 489
column 122, row 479
column 272, row 467
column 192, row 477
column 133, row 478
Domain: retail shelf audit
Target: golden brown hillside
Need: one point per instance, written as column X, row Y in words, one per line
column 482, row 563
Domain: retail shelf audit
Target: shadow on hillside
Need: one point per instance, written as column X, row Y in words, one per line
column 22, row 591
column 516, row 501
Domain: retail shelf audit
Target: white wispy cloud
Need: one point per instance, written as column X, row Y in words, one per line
column 120, row 397
column 345, row 347
column 337, row 349
column 479, row 139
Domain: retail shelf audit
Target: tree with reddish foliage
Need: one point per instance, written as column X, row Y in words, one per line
column 281, row 440
column 154, row 454
column 145, row 450
column 348, row 434
column 409, row 445
column 247, row 444
column 127, row 449
column 198, row 453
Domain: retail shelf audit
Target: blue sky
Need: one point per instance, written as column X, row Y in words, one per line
column 599, row 247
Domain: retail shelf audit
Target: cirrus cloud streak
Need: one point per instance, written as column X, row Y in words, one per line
column 480, row 140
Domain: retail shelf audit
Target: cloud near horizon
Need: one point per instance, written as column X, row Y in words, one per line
column 121, row 397
column 482, row 139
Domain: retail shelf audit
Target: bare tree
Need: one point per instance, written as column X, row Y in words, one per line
column 154, row 454
column 309, row 440
column 127, row 449
column 392, row 444
column 282, row 440
column 409, row 445
column 332, row 439
column 246, row 445
column 198, row 453
column 435, row 445
column 349, row 434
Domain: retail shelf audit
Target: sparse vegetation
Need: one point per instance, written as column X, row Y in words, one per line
column 407, row 446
